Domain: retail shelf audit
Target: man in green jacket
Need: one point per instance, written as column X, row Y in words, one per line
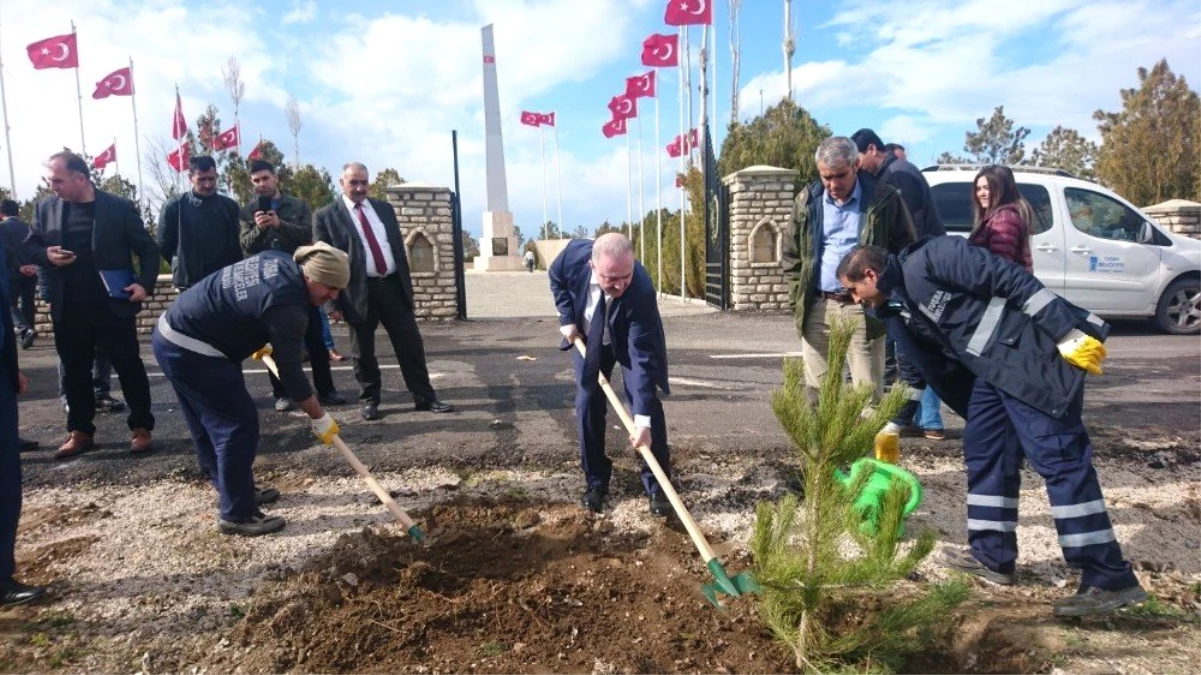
column 845, row 208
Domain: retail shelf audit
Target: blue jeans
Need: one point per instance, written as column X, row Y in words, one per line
column 325, row 334
column 928, row 415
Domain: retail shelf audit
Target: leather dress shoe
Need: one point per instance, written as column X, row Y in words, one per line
column 141, row 441
column 332, row 398
column 660, row 506
column 284, row 404
column 433, row 405
column 106, row 403
column 370, row 411
column 77, row 442
column 593, row 498
column 13, row 592
column 26, row 445
column 27, row 337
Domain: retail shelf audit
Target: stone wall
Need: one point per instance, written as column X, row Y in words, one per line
column 760, row 212
column 1179, row 216
column 427, row 225
column 164, row 295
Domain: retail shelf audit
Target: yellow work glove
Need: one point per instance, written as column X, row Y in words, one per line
column 325, row 428
column 265, row 350
column 888, row 444
column 1083, row 351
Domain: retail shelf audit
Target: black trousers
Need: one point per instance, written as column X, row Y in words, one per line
column 387, row 305
column 77, row 333
column 22, row 289
column 314, row 343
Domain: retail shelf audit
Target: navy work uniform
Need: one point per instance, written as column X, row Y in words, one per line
column 200, row 343
column 983, row 333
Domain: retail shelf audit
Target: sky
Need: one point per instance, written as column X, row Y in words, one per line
column 385, row 83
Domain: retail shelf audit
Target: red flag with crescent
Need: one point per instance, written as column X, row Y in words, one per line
column 661, row 51
column 102, row 160
column 226, row 139
column 546, row 118
column 56, row 52
column 641, row 85
column 178, row 159
column 689, row 12
column 623, row 107
column 674, row 148
column 117, row 83
column 179, row 125
column 616, row 127
column 530, row 119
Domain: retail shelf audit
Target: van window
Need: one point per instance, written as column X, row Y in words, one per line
column 955, row 200
column 1101, row 216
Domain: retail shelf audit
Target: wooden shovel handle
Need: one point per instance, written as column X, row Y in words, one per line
column 694, row 531
column 402, row 517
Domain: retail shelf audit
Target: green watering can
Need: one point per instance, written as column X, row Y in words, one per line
column 871, row 499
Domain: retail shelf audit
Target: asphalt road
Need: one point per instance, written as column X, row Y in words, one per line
column 514, row 393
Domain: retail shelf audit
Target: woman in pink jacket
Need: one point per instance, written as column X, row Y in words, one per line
column 1003, row 217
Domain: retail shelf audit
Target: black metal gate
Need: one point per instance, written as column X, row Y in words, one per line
column 717, row 233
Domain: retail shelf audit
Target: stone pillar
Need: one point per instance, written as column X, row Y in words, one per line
column 427, row 227
column 1179, row 216
column 760, row 217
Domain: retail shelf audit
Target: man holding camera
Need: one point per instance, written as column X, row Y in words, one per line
column 277, row 222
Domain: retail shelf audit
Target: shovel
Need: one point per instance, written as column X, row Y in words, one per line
column 723, row 583
column 401, row 517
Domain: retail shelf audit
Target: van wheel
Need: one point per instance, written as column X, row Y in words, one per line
column 1179, row 310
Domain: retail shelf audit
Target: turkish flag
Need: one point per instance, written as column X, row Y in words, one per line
column 615, row 127
column 679, row 181
column 688, row 13
column 674, row 149
column 641, row 85
column 530, row 119
column 623, row 107
column 56, row 52
column 116, row 83
column 226, row 139
column 661, row 51
column 102, row 160
column 178, row 159
column 179, row 125
column 257, row 153
column 548, row 119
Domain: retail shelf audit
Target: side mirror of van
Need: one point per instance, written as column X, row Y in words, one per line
column 1146, row 234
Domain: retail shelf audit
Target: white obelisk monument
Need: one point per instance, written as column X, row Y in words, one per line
column 498, row 245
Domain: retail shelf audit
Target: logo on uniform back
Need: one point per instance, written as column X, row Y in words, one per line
column 937, row 304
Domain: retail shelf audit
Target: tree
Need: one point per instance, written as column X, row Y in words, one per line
column 549, row 230
column 379, row 187
column 830, row 605
column 948, row 158
column 1066, row 149
column 294, row 125
column 471, row 246
column 311, row 185
column 236, row 171
column 786, row 135
column 996, row 141
column 231, row 74
column 1149, row 148
column 580, row 232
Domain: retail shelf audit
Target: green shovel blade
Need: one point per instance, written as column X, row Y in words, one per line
column 416, row 533
column 734, row 587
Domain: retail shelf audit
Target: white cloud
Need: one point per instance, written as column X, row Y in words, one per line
column 301, row 12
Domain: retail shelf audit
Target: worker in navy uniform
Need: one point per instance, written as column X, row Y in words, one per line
column 12, row 382
column 1009, row 356
column 606, row 297
column 200, row 343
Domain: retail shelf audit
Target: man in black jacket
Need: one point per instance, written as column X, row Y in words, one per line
column 1009, row 356
column 87, row 239
column 905, row 177
column 22, row 277
column 286, row 225
column 380, row 291
column 198, row 230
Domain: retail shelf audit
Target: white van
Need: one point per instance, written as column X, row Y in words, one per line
column 1091, row 246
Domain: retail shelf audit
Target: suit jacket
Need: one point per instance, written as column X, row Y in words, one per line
column 635, row 328
column 13, row 231
column 334, row 225
column 117, row 235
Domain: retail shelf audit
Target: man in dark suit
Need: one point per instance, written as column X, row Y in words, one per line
column 12, row 382
column 592, row 281
column 380, row 290
column 286, row 225
column 85, row 237
column 22, row 277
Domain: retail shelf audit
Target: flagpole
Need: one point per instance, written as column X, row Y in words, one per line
column 83, row 146
column 558, row 171
column 542, row 144
column 641, row 203
column 137, row 144
column 116, row 162
column 629, row 185
column 713, row 78
column 658, row 187
column 180, row 140
column 12, row 176
column 683, row 66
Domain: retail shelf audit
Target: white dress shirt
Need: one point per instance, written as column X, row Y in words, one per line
column 381, row 237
